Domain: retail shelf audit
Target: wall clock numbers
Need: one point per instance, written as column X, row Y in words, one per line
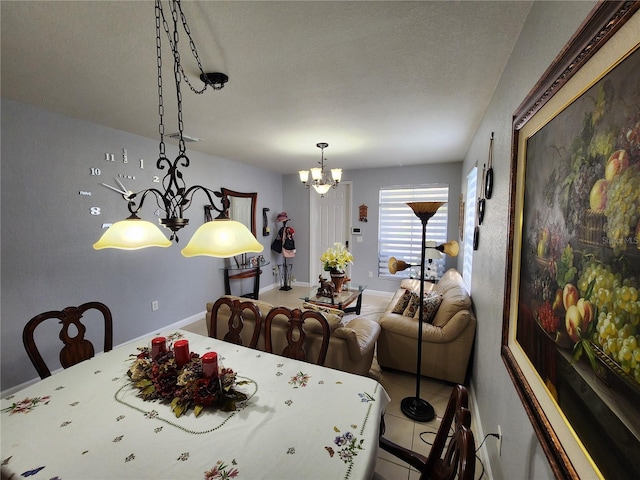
column 126, row 172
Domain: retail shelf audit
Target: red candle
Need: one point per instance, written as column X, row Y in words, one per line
column 210, row 364
column 158, row 346
column 181, row 352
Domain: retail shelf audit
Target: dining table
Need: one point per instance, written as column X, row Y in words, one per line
column 298, row 421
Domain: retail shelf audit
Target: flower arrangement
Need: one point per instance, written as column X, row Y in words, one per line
column 336, row 257
column 186, row 387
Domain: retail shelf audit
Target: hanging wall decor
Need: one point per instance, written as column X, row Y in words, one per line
column 488, row 184
column 572, row 242
column 266, row 231
column 363, row 212
column 481, row 200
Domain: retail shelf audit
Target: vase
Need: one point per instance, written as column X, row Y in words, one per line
column 338, row 279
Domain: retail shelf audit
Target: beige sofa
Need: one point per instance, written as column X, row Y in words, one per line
column 351, row 347
column 446, row 342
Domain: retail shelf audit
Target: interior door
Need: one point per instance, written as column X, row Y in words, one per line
column 333, row 218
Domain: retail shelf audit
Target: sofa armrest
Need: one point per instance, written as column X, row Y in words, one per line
column 360, row 335
column 451, row 330
column 408, row 327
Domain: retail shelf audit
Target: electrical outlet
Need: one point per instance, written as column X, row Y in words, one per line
column 499, row 441
column 370, row 274
column 154, row 305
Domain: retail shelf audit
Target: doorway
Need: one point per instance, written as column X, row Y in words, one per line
column 332, row 215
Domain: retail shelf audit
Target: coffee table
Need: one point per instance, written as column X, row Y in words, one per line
column 340, row 300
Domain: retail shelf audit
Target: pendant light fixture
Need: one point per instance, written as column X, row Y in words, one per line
column 319, row 182
column 220, row 237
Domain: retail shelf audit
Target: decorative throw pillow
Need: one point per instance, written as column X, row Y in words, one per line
column 431, row 305
column 413, row 306
column 403, row 301
column 333, row 316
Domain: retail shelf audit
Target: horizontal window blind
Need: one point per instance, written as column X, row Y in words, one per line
column 400, row 230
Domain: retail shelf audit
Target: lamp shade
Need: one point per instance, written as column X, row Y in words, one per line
column 322, row 188
column 396, row 265
column 222, row 238
column 132, row 234
column 304, row 175
column 450, row 248
column 432, row 254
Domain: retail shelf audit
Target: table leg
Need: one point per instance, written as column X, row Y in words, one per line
column 355, row 309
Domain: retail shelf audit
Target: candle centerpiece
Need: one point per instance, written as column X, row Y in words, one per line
column 184, row 378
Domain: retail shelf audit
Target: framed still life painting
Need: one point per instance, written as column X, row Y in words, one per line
column 571, row 330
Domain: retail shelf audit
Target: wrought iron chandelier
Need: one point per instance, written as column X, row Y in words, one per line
column 220, row 237
column 319, row 182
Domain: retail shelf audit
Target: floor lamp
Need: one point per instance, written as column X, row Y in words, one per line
column 415, row 407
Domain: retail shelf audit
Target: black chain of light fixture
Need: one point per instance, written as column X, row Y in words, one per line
column 176, row 198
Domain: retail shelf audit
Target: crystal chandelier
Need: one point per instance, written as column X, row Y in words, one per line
column 221, row 237
column 319, row 182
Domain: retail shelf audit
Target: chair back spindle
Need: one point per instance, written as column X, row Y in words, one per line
column 236, row 321
column 295, row 335
column 76, row 348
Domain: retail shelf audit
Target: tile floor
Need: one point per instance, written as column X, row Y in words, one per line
column 400, row 429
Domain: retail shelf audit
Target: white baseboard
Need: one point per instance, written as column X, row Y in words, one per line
column 478, row 433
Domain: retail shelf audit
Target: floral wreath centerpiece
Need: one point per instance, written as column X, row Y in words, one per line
column 185, row 383
column 335, row 260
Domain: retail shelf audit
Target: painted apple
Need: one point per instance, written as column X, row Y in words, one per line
column 618, row 161
column 570, row 296
column 585, row 307
column 573, row 323
column 598, row 195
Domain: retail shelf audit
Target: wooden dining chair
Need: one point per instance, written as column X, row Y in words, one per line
column 76, row 348
column 455, row 415
column 236, row 322
column 295, row 333
column 459, row 461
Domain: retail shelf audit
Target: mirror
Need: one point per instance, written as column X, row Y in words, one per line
column 242, row 207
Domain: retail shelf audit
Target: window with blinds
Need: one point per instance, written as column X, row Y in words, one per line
column 469, row 225
column 400, row 231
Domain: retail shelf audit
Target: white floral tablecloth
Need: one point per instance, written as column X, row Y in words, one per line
column 301, row 421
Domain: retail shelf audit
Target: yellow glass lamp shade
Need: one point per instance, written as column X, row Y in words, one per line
column 450, row 248
column 395, row 265
column 222, row 238
column 132, row 234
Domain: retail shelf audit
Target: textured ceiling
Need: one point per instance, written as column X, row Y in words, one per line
column 384, row 83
